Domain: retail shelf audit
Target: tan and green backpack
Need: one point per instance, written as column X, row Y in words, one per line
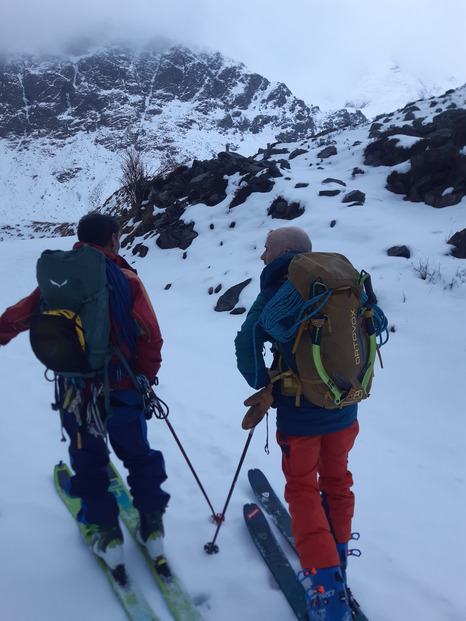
column 325, row 329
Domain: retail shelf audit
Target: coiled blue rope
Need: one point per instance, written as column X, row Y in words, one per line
column 282, row 315
column 121, row 304
column 380, row 321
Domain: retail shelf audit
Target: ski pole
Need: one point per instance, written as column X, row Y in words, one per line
column 216, row 517
column 154, row 405
column 212, row 547
column 160, row 409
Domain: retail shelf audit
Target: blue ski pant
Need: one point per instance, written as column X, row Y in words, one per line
column 127, row 434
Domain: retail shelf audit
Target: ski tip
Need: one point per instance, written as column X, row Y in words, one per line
column 61, row 469
column 256, row 473
column 253, row 473
column 61, row 479
column 251, row 510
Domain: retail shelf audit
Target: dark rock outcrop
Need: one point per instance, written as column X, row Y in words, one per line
column 327, row 152
column 458, row 240
column 282, row 209
column 229, row 299
column 297, row 152
column 203, row 182
column 437, row 174
column 329, row 192
column 356, row 196
column 399, row 251
column 176, row 235
column 332, row 180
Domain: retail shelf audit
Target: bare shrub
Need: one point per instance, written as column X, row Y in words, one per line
column 134, row 177
column 425, row 272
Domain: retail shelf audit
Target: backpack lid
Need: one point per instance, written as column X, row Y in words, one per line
column 334, row 270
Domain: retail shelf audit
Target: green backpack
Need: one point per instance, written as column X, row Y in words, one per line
column 325, row 327
column 71, row 333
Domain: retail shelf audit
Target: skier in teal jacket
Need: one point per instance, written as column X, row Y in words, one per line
column 315, row 443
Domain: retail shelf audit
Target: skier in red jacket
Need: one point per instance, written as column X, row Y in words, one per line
column 126, row 427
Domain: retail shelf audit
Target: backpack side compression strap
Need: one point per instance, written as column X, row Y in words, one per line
column 340, row 396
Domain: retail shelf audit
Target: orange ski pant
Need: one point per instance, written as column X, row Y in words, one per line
column 313, row 465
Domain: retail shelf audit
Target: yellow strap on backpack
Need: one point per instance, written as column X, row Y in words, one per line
column 73, row 316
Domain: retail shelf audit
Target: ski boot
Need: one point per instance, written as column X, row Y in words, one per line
column 107, row 543
column 150, row 533
column 325, row 594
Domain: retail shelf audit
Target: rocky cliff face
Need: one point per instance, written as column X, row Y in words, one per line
column 124, row 97
column 65, row 121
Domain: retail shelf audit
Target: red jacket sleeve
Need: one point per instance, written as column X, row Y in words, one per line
column 16, row 318
column 149, row 342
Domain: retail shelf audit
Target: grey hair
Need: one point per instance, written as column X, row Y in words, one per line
column 292, row 238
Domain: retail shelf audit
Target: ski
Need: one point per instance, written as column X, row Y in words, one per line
column 181, row 605
column 282, row 519
column 271, row 503
column 277, row 562
column 131, row 599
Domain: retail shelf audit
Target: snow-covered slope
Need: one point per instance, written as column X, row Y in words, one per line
column 392, row 88
column 408, row 462
column 417, row 151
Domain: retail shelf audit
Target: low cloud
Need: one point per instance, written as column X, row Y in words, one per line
column 316, row 47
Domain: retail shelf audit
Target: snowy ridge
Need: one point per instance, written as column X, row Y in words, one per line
column 393, row 88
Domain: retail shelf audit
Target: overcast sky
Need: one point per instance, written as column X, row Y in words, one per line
column 319, row 48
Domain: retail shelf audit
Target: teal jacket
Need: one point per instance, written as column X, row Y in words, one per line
column 307, row 419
